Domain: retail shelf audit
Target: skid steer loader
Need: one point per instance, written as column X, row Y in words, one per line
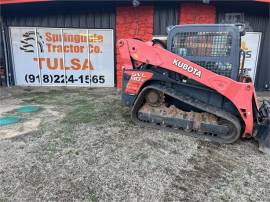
column 195, row 84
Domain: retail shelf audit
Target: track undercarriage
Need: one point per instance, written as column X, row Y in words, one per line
column 155, row 107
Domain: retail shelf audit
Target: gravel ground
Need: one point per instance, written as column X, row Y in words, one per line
column 87, row 149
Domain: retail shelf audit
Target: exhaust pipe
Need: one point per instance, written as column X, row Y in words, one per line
column 263, row 128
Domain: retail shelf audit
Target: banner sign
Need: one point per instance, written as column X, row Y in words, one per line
column 250, row 43
column 63, row 57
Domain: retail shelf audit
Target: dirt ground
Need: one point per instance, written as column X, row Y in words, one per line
column 82, row 146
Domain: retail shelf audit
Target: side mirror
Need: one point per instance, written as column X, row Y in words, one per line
column 169, row 28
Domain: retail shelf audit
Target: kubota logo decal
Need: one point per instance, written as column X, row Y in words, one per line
column 187, row 68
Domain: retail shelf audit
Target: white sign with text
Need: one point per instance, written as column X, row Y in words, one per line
column 63, row 57
column 250, row 43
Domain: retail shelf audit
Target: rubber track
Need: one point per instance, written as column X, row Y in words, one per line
column 193, row 102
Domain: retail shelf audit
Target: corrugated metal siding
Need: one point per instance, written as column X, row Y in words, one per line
column 165, row 14
column 58, row 14
column 256, row 17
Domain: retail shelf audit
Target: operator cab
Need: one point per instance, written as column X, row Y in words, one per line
column 213, row 46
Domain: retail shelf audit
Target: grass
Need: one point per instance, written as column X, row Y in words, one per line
column 91, row 151
column 97, row 112
column 80, row 107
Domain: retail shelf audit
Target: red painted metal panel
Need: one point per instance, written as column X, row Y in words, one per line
column 266, row 1
column 20, row 1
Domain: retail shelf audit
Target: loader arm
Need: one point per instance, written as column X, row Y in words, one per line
column 240, row 94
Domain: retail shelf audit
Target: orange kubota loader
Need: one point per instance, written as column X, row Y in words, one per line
column 195, row 84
